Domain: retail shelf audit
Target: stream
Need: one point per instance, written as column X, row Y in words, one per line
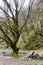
column 7, row 54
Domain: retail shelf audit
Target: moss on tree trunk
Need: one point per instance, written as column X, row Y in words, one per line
column 15, row 52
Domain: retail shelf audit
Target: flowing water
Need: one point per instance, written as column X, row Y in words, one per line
column 22, row 56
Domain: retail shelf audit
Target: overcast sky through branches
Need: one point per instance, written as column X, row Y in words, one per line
column 26, row 3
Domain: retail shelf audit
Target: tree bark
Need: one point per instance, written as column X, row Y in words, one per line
column 15, row 52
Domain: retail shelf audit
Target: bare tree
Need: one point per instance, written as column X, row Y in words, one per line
column 14, row 31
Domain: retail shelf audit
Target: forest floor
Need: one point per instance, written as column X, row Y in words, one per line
column 14, row 61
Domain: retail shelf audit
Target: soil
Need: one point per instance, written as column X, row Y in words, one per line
column 14, row 61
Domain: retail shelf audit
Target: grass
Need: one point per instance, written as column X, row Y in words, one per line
column 3, row 46
column 37, row 54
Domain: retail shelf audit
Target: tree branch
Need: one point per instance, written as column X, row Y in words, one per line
column 5, row 34
column 7, row 14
